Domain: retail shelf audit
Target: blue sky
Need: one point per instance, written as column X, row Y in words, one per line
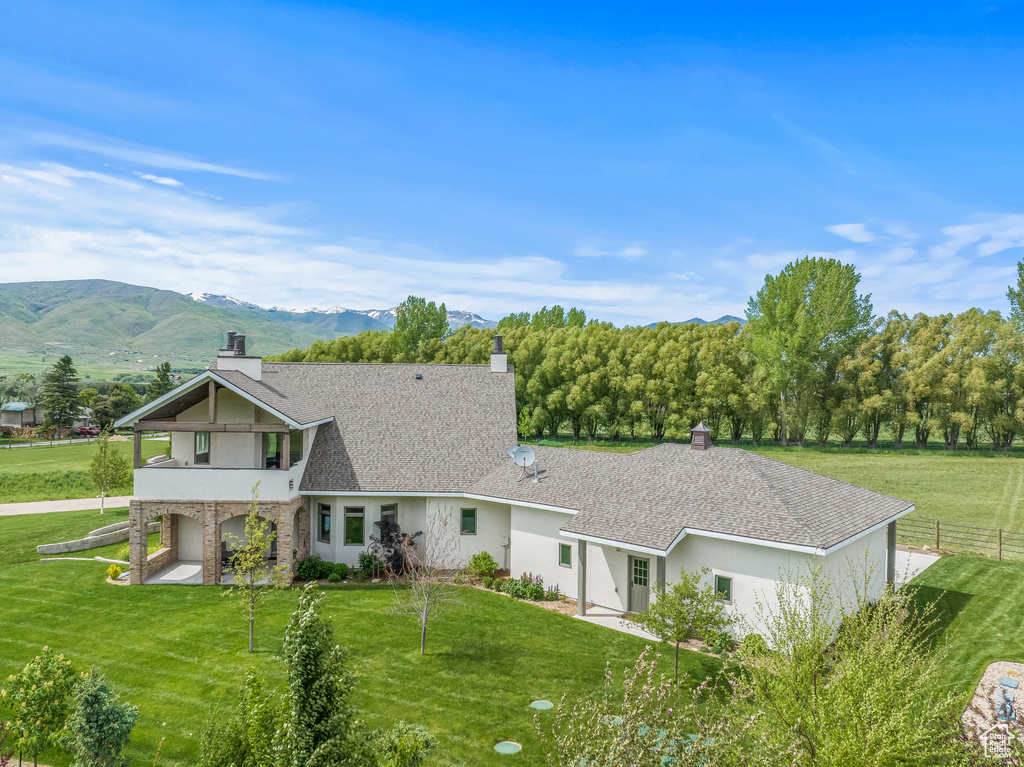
column 644, row 163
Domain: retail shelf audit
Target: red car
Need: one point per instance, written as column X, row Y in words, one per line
column 88, row 431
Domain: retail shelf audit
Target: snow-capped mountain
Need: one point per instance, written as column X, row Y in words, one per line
column 387, row 317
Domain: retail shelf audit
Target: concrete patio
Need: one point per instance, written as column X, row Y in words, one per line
column 181, row 573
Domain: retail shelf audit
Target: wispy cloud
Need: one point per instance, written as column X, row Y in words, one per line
column 852, row 232
column 141, row 155
column 633, row 250
column 162, row 180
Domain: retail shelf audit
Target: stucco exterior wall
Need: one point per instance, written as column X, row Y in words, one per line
column 534, row 547
column 492, row 526
column 190, row 539
column 411, row 518
column 755, row 571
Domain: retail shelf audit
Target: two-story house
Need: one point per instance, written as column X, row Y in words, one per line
column 335, row 448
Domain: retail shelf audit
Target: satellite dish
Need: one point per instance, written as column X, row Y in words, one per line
column 524, row 456
column 512, row 451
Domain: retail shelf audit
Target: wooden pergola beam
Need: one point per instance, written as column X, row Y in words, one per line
column 194, row 426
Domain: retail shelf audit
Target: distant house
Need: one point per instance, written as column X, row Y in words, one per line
column 338, row 447
column 17, row 415
column 20, row 414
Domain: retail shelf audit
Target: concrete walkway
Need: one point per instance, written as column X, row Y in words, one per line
column 74, row 504
column 609, row 618
column 181, row 573
column 910, row 564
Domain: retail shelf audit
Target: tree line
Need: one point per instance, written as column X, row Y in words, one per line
column 812, row 363
column 60, row 394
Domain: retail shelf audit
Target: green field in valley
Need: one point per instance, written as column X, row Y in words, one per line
column 56, row 472
column 179, row 652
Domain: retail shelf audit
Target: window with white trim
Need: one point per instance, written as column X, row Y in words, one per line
column 355, row 525
column 723, row 587
column 564, row 555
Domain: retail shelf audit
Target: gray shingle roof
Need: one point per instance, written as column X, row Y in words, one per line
column 394, row 433
column 288, row 389
column 648, row 498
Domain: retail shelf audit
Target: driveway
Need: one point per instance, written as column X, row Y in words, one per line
column 74, row 504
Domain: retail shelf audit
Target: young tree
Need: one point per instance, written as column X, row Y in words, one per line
column 686, row 610
column 253, row 573
column 38, row 700
column 417, row 323
column 161, row 384
column 109, row 468
column 321, row 713
column 60, row 395
column 850, row 682
column 655, row 723
column 1015, row 295
column 100, row 724
column 800, row 324
column 431, row 574
column 6, row 749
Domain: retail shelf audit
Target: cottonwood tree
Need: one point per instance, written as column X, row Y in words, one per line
column 253, row 573
column 120, row 400
column 60, row 395
column 850, row 681
column 417, row 323
column 100, row 724
column 38, row 701
column 430, row 586
column 109, row 468
column 800, row 323
column 686, row 610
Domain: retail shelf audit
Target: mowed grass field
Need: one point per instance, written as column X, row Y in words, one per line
column 179, row 652
column 56, row 472
column 958, row 488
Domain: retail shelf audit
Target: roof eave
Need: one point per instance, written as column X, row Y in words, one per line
column 210, row 375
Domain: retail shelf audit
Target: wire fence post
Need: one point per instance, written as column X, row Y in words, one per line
column 936, row 535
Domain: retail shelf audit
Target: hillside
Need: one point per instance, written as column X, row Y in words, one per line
column 114, row 327
column 723, row 320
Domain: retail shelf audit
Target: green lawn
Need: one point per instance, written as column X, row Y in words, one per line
column 960, row 488
column 55, row 472
column 179, row 652
column 981, row 602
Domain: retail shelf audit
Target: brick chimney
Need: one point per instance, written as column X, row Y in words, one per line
column 499, row 360
column 700, row 437
column 233, row 357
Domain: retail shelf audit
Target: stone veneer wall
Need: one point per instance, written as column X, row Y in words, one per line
column 211, row 514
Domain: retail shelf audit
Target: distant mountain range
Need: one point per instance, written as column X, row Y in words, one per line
column 375, row 319
column 108, row 326
column 725, row 319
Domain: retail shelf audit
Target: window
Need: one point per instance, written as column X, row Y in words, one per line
column 354, row 526
column 389, row 513
column 294, row 446
column 202, row 447
column 324, row 529
column 564, row 555
column 641, row 572
column 272, row 451
column 723, row 586
column 468, row 522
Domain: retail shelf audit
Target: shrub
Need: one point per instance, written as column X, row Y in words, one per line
column 314, row 568
column 719, row 641
column 370, row 564
column 334, row 578
column 114, row 572
column 552, row 593
column 124, row 552
column 341, row 570
column 488, row 582
column 100, row 724
column 524, row 587
column 482, row 565
column 754, row 646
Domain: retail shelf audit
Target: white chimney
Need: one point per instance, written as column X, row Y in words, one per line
column 233, row 357
column 499, row 360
